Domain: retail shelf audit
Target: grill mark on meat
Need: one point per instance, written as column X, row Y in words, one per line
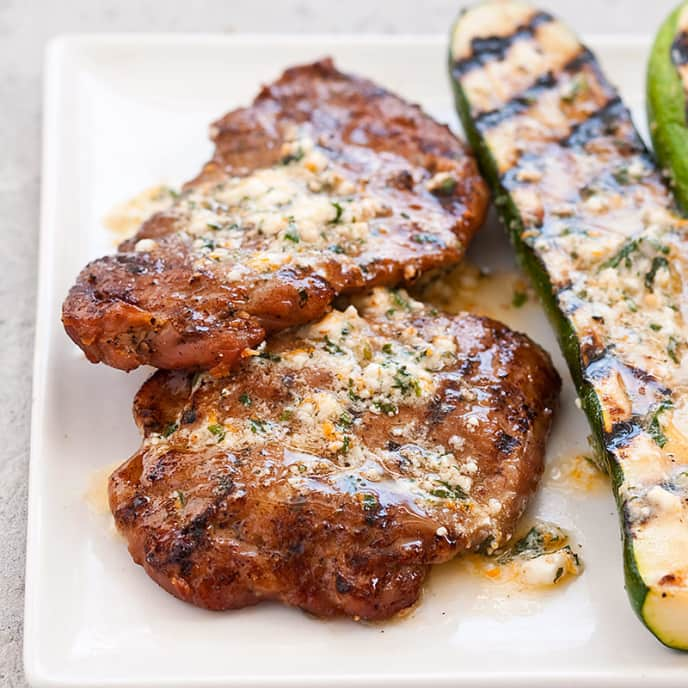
column 260, row 498
column 128, row 513
column 505, row 443
column 189, row 416
column 194, row 535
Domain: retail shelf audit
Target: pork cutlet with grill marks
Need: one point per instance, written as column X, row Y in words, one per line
column 326, row 184
column 338, row 462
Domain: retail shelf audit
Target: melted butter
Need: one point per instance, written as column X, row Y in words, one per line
column 96, row 494
column 370, row 376
column 125, row 218
column 518, row 580
column 293, row 212
column 575, row 473
column 504, row 295
column 512, row 576
column 499, row 599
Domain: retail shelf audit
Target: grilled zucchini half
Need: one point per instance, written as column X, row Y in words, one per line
column 596, row 228
column 667, row 100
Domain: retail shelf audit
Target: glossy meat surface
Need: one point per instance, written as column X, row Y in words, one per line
column 339, row 461
column 326, row 184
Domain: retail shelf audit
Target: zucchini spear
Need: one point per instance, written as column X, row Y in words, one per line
column 598, row 232
column 667, row 101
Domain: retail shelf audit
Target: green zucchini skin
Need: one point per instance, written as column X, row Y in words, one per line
column 588, row 130
column 667, row 102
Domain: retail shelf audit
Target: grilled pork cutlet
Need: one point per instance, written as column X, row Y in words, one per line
column 338, row 462
column 327, row 184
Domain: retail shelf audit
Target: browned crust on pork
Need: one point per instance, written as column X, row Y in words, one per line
column 333, row 542
column 161, row 308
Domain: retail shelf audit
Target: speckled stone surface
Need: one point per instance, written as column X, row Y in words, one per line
column 25, row 25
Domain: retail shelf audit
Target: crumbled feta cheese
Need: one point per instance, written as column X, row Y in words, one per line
column 456, row 442
column 664, row 500
column 472, row 422
column 145, row 245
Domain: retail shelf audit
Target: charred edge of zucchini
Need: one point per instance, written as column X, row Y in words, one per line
column 667, row 105
column 524, row 100
column 495, row 47
column 568, row 341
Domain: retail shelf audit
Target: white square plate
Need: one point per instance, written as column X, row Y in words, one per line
column 123, row 113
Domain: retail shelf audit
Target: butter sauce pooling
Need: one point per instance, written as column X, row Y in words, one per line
column 296, row 211
column 370, row 378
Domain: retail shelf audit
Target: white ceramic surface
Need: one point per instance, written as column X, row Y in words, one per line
column 127, row 112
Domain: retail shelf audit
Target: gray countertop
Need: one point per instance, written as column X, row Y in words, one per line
column 25, row 26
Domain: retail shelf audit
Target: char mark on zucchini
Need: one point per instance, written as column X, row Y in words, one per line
column 594, row 224
column 679, row 49
column 604, row 122
column 548, row 81
column 518, row 104
column 495, row 47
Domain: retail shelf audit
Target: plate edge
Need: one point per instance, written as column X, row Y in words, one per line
column 54, row 65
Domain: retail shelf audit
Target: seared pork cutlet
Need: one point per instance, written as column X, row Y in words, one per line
column 339, row 461
column 327, row 184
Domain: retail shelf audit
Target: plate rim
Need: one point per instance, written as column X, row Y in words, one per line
column 56, row 52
